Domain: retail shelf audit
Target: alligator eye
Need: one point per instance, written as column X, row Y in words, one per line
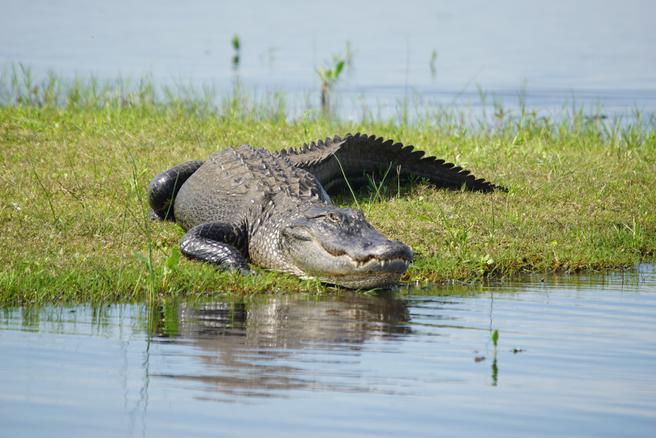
column 333, row 217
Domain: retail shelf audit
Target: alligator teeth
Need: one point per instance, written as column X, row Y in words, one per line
column 382, row 263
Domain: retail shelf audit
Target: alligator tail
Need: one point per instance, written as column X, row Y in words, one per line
column 356, row 156
column 164, row 187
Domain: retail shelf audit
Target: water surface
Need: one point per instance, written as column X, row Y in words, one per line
column 576, row 356
column 553, row 53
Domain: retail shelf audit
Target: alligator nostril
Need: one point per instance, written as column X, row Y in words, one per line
column 396, row 249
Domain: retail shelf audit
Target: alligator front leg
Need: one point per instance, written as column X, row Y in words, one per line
column 221, row 244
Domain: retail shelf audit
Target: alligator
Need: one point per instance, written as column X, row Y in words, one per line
column 274, row 208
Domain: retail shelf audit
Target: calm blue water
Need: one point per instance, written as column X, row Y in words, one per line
column 575, row 357
column 553, row 53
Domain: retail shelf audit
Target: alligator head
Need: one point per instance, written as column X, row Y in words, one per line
column 339, row 246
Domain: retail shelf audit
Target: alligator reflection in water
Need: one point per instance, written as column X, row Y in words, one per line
column 260, row 349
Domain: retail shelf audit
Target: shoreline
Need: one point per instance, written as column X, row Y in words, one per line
column 75, row 221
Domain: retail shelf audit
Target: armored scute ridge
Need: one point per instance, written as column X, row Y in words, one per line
column 274, row 210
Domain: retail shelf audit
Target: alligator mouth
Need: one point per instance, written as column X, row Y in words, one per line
column 363, row 279
column 397, row 263
column 371, row 273
column 369, row 260
column 392, row 264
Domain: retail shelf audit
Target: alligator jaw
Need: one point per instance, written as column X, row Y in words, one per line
column 381, row 267
column 366, row 275
column 399, row 264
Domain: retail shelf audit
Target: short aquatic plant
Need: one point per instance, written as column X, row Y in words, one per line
column 432, row 64
column 236, row 46
column 495, row 368
column 329, row 77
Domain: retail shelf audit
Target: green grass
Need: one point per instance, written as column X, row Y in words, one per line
column 74, row 166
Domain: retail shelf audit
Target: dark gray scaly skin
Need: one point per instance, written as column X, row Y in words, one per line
column 273, row 208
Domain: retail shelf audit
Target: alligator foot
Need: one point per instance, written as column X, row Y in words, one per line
column 216, row 243
column 154, row 216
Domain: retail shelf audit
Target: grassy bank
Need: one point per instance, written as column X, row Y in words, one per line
column 75, row 220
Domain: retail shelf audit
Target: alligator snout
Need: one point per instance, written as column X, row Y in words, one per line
column 381, row 250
